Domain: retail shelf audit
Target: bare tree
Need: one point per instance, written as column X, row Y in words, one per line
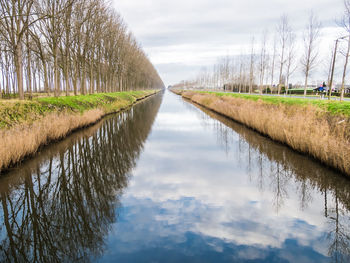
column 345, row 23
column 80, row 45
column 291, row 58
column 224, row 70
column 263, row 62
column 252, row 66
column 283, row 30
column 14, row 23
column 309, row 58
column 273, row 62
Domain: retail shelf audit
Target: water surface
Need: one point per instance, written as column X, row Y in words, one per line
column 173, row 183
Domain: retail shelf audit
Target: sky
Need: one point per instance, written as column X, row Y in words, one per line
column 183, row 36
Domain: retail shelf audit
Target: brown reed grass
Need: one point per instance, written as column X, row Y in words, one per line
column 25, row 139
column 306, row 129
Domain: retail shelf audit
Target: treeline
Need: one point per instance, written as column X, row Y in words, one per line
column 80, row 46
column 275, row 56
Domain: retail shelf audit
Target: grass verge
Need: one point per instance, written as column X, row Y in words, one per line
column 27, row 125
column 333, row 107
column 317, row 128
column 15, row 112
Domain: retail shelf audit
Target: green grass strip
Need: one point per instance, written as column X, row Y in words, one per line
column 15, row 111
column 331, row 106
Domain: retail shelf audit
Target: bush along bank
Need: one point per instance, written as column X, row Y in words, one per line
column 27, row 125
column 317, row 128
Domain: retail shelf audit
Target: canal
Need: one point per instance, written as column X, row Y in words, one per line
column 168, row 181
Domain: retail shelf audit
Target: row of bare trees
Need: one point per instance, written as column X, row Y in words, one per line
column 272, row 61
column 269, row 65
column 80, row 46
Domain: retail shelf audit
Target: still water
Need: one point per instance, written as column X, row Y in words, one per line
column 169, row 182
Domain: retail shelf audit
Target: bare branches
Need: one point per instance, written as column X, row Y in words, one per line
column 309, row 58
column 345, row 23
column 78, row 43
column 263, row 62
column 284, row 33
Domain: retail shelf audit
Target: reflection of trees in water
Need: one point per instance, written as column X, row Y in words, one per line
column 270, row 163
column 339, row 235
column 279, row 177
column 60, row 205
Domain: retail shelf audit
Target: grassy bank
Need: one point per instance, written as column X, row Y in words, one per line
column 314, row 127
column 27, row 125
column 333, row 107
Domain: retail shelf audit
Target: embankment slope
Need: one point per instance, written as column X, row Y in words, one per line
column 27, row 125
column 319, row 129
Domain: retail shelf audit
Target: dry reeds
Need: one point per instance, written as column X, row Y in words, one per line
column 33, row 130
column 306, row 129
column 25, row 139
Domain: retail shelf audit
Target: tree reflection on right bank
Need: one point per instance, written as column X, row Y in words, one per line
column 275, row 167
column 59, row 206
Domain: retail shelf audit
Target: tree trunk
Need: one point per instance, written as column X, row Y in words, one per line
column 19, row 70
column 29, row 72
column 56, row 77
column 92, row 84
column 46, row 81
column 120, row 83
column 75, row 78
column 306, row 79
column 66, row 75
column 98, row 84
column 344, row 72
column 83, row 80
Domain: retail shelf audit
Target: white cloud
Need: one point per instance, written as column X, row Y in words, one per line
column 193, row 33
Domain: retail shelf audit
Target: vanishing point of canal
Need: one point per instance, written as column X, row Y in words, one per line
column 169, row 182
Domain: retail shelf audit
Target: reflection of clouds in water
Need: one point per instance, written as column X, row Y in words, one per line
column 191, row 196
column 251, row 253
column 243, row 224
column 226, row 213
column 170, row 122
column 191, row 185
column 171, row 225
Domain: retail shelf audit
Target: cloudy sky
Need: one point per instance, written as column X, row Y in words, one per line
column 182, row 36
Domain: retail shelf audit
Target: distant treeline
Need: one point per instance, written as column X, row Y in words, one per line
column 272, row 60
column 80, row 46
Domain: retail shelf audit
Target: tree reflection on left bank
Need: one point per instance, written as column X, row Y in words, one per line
column 59, row 206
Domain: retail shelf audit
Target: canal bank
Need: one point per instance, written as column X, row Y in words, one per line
column 25, row 126
column 320, row 130
column 166, row 181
